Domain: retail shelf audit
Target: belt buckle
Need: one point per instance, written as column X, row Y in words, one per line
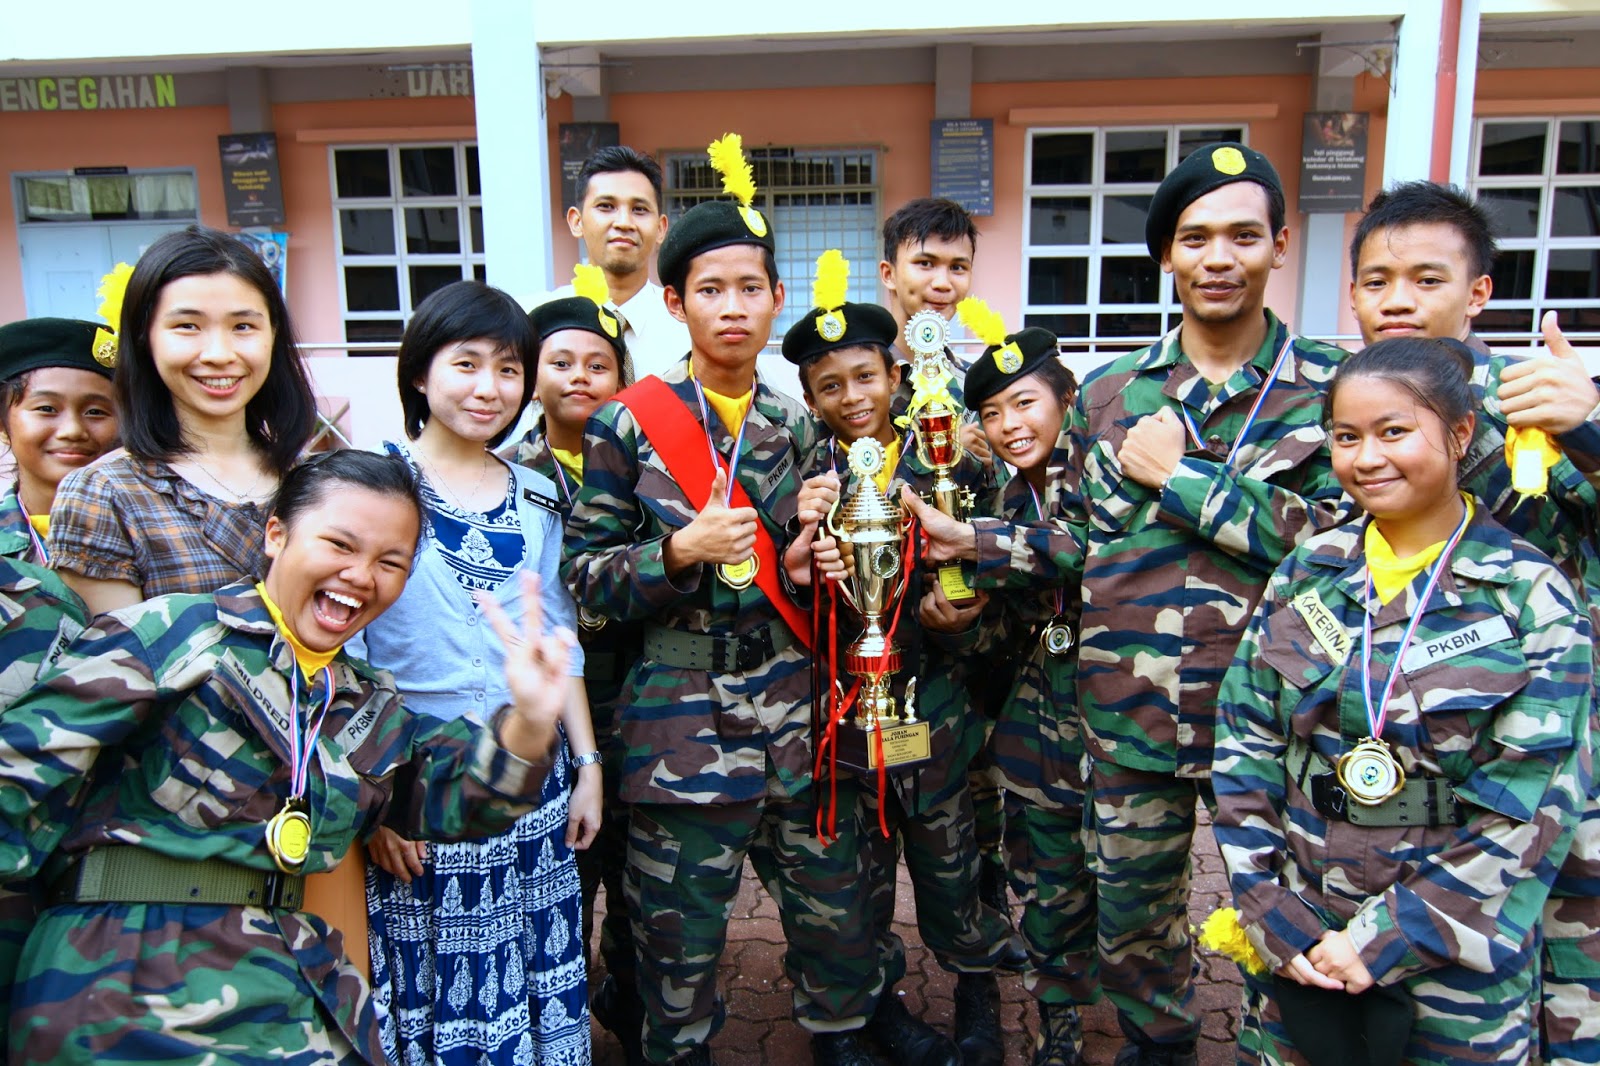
column 1329, row 798
column 755, row 648
column 275, row 889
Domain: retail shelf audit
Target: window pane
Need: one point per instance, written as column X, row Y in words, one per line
column 367, row 231
column 1512, row 148
column 1124, row 219
column 364, row 332
column 433, row 230
column 1513, row 275
column 1067, row 326
column 474, row 186
column 371, row 289
column 1189, row 140
column 361, row 172
column 480, row 271
column 1059, row 220
column 1058, row 281
column 1063, row 159
column 428, row 171
column 1580, row 320
column 475, row 221
column 1574, row 274
column 1576, row 213
column 1512, row 212
column 426, row 280
column 1577, row 151
column 1129, row 325
column 1499, row 320
column 1136, row 155
column 1129, row 280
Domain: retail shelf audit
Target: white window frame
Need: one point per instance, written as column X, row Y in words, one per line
column 471, row 261
column 1096, row 251
column 1542, row 243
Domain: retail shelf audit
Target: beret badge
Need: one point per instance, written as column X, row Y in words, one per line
column 1228, row 160
column 1008, row 358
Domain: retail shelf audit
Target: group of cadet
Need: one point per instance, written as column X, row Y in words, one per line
column 1344, row 601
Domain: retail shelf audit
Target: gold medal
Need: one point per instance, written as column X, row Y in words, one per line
column 289, row 837
column 739, row 576
column 1056, row 638
column 1369, row 773
column 590, row 621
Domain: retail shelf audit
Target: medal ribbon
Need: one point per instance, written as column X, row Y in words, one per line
column 303, row 742
column 717, row 462
column 39, row 545
column 1376, row 718
column 1250, row 419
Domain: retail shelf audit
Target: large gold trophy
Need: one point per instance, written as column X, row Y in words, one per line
column 936, row 426
column 871, row 529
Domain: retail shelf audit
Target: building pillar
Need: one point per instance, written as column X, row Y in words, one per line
column 513, row 145
column 249, row 109
column 952, row 81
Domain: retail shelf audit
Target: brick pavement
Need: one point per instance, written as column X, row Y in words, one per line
column 759, row 1031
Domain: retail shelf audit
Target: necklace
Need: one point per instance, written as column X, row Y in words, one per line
column 438, row 481
column 250, row 494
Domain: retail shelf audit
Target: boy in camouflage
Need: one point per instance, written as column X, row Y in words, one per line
column 1418, row 859
column 1195, row 466
column 1420, row 261
column 687, row 479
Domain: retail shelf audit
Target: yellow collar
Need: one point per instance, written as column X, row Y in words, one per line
column 1391, row 574
column 40, row 524
column 310, row 661
column 571, row 462
column 891, row 461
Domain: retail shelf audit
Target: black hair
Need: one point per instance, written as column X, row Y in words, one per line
column 308, row 483
column 462, row 311
column 13, row 391
column 804, row 369
column 679, row 278
column 1437, row 371
column 279, row 418
column 927, row 217
column 1415, row 202
column 616, row 159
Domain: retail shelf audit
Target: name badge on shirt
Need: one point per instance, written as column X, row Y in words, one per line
column 539, row 499
column 778, row 473
column 1325, row 628
column 1477, row 635
column 66, row 632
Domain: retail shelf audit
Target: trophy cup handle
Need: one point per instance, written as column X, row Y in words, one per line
column 831, row 525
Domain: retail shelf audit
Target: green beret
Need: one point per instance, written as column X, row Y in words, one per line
column 577, row 312
column 704, row 228
column 823, row 330
column 1002, row 364
column 1205, row 169
column 40, row 342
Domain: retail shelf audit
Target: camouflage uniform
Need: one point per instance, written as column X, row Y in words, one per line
column 1564, row 525
column 1169, row 583
column 715, row 764
column 608, row 652
column 158, row 729
column 1039, row 759
column 15, row 541
column 930, row 811
column 1447, row 911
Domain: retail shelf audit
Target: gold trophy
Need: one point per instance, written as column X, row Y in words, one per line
column 936, row 425
column 871, row 529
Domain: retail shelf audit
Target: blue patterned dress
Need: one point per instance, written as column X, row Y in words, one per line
column 480, row 961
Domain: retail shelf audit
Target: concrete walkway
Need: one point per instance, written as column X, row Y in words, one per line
column 759, row 1031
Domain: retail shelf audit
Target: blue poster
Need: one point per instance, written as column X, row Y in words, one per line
column 963, row 162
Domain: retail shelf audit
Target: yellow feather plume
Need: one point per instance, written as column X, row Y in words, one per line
column 985, row 324
column 1222, row 933
column 831, row 288
column 727, row 158
column 111, row 290
column 589, row 281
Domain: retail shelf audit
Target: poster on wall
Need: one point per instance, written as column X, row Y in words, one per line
column 579, row 141
column 273, row 248
column 1333, row 161
column 963, row 162
column 250, row 184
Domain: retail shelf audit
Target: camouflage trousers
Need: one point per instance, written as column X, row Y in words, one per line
column 1049, row 872
column 684, row 868
column 941, row 852
column 1142, row 826
column 603, row 865
column 1459, row 1017
column 1570, row 1019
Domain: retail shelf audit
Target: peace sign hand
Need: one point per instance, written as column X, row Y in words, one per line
column 536, row 672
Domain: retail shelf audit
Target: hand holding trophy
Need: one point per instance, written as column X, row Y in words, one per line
column 936, row 426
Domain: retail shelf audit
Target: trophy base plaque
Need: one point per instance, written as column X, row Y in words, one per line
column 905, row 744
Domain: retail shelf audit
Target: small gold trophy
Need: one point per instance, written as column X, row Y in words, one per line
column 871, row 529
column 936, row 424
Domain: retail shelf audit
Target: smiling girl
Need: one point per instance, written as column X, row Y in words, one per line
column 1398, row 765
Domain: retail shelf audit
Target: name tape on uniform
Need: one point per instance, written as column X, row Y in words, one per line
column 1477, row 635
column 1333, row 637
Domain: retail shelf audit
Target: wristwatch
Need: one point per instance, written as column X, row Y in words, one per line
column 580, row 761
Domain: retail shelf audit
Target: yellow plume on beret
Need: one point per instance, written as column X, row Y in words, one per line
column 589, row 281
column 985, row 324
column 831, row 287
column 727, row 158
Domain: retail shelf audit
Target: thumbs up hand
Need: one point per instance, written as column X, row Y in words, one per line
column 1550, row 391
column 718, row 534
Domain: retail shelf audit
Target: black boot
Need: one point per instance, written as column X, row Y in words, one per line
column 908, row 1040
column 1060, row 1039
column 1134, row 1053
column 618, row 1010
column 839, row 1049
column 978, row 1020
column 699, row 1055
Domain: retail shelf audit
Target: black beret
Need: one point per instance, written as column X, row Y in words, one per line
column 1206, row 168
column 577, row 312
column 40, row 342
column 823, row 330
column 1001, row 364
column 704, row 228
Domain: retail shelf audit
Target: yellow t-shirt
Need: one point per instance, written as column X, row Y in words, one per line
column 310, row 661
column 731, row 409
column 40, row 524
column 1390, row 574
column 571, row 462
column 891, row 460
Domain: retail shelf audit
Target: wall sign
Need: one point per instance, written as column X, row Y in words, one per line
column 578, row 141
column 87, row 92
column 1333, row 161
column 250, row 184
column 963, row 162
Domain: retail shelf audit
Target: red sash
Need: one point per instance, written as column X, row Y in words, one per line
column 680, row 442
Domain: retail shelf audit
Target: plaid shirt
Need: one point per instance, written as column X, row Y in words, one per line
column 136, row 520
